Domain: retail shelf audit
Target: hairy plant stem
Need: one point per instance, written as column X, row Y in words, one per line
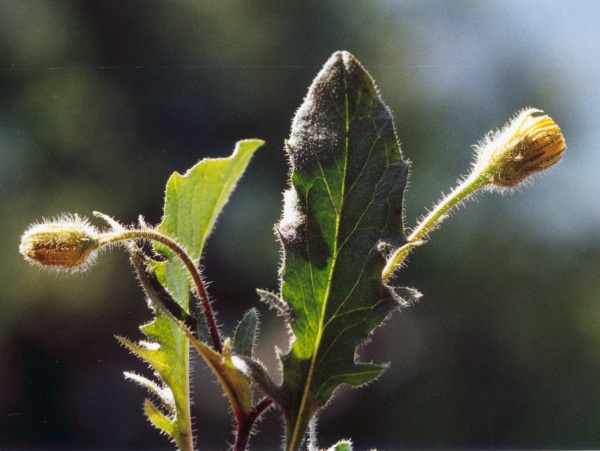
column 188, row 436
column 468, row 187
column 245, row 421
column 244, row 427
column 122, row 235
column 458, row 194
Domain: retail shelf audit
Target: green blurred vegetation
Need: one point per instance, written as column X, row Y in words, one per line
column 100, row 101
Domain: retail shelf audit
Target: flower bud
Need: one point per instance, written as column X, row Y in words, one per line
column 68, row 244
column 526, row 145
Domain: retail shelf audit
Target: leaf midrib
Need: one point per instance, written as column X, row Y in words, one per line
column 321, row 327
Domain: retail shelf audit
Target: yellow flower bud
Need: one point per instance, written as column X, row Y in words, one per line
column 528, row 144
column 68, row 244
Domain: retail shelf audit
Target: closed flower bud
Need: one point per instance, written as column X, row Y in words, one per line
column 68, row 244
column 528, row 144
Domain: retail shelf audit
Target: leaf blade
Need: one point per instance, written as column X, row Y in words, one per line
column 236, row 388
column 245, row 334
column 343, row 205
column 194, row 200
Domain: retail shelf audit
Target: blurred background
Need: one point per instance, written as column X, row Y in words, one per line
column 100, row 101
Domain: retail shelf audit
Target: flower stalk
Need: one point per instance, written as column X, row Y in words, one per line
column 153, row 235
column 528, row 144
column 71, row 244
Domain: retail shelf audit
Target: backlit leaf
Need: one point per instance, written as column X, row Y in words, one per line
column 192, row 204
column 343, row 206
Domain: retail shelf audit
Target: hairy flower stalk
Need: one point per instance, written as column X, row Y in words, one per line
column 70, row 244
column 529, row 143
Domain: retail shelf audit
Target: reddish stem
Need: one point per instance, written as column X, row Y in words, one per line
column 189, row 264
column 245, row 426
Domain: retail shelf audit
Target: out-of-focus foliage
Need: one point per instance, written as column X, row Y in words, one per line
column 101, row 101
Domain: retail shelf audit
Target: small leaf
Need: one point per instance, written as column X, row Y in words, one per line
column 344, row 204
column 245, row 334
column 235, row 386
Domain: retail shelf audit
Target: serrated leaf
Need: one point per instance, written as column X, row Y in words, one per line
column 245, row 334
column 344, row 203
column 167, row 353
column 192, row 204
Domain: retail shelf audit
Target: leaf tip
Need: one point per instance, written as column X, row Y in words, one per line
column 245, row 333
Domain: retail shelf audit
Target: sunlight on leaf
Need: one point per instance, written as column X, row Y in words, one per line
column 192, row 204
column 343, row 204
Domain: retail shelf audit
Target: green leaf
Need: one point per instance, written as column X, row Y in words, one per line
column 245, row 334
column 167, row 353
column 192, row 204
column 160, row 420
column 194, row 200
column 236, row 388
column 342, row 445
column 343, row 207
